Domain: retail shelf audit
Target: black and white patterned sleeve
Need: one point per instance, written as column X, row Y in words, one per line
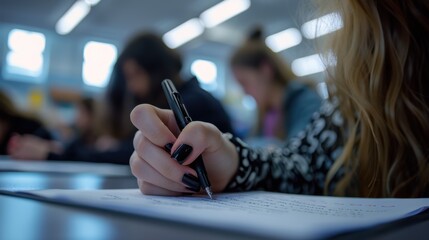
column 300, row 166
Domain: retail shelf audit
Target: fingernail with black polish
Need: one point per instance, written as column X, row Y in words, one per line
column 181, row 153
column 192, row 182
column 168, row 147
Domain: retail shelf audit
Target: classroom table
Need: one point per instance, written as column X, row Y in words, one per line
column 29, row 219
column 16, row 181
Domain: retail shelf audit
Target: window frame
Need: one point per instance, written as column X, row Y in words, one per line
column 24, row 78
column 82, row 62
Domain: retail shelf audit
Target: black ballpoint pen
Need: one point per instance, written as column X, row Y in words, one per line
column 182, row 118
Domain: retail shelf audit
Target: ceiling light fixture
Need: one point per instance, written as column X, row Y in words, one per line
column 183, row 33
column 223, row 11
column 284, row 39
column 92, row 2
column 308, row 65
column 322, row 25
column 74, row 15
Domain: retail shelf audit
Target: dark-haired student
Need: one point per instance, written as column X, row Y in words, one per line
column 136, row 79
column 145, row 62
column 285, row 104
column 370, row 140
column 14, row 122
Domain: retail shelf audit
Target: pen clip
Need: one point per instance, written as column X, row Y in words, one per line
column 176, row 104
column 181, row 106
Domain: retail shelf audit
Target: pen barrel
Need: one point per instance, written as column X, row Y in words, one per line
column 198, row 166
column 182, row 116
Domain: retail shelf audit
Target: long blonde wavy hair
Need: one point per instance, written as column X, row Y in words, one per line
column 381, row 79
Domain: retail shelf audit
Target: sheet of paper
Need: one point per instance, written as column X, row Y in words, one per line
column 65, row 167
column 263, row 213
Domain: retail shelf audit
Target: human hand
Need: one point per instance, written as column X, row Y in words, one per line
column 28, row 147
column 158, row 173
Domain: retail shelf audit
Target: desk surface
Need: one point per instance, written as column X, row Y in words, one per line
column 51, row 221
column 15, row 181
column 28, row 219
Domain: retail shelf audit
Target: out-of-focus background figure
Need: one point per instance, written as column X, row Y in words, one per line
column 13, row 122
column 144, row 63
column 285, row 105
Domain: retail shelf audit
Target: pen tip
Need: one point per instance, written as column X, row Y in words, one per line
column 209, row 192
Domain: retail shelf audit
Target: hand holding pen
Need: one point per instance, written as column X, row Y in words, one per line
column 158, row 173
column 182, row 119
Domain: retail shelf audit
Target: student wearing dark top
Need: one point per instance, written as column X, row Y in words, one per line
column 370, row 140
column 145, row 62
column 202, row 106
column 136, row 79
column 13, row 123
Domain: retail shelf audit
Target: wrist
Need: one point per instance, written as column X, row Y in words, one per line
column 233, row 162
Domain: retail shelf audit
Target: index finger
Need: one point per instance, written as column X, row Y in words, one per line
column 157, row 125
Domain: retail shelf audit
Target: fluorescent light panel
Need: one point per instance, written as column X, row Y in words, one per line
column 72, row 17
column 308, row 65
column 321, row 26
column 183, row 33
column 223, row 11
column 284, row 39
column 92, row 2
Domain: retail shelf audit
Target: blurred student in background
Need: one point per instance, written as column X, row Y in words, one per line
column 14, row 122
column 144, row 63
column 285, row 105
column 136, row 78
column 85, row 141
column 34, row 148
